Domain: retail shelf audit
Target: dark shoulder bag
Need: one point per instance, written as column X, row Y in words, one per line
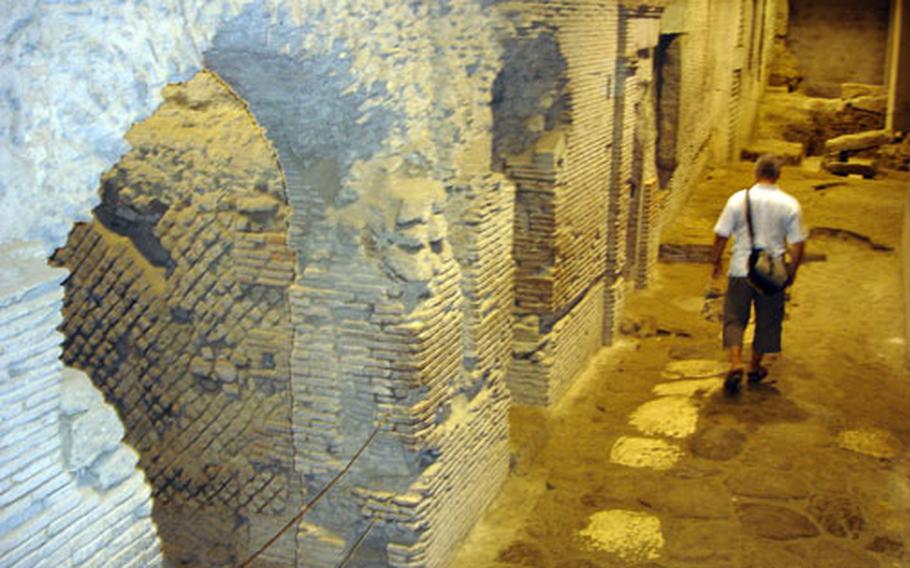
column 767, row 274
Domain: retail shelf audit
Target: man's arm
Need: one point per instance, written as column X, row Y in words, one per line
column 717, row 255
column 797, row 251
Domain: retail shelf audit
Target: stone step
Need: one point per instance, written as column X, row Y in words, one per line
column 791, row 152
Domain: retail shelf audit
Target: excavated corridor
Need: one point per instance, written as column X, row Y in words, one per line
column 647, row 463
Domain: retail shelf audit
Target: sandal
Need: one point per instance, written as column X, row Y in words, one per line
column 731, row 382
column 756, row 376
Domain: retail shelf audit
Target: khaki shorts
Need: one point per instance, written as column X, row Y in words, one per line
column 769, row 316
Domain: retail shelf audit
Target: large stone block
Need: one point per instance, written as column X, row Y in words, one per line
column 858, row 141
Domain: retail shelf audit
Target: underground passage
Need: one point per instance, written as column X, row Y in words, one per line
column 455, row 283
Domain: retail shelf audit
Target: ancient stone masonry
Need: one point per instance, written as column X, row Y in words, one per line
column 642, row 233
column 177, row 308
column 635, row 203
column 71, row 493
column 360, row 231
column 813, row 108
column 576, row 236
column 724, row 64
column 589, row 200
column 562, row 193
column 401, row 301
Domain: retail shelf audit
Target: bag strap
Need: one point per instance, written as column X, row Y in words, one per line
column 749, row 221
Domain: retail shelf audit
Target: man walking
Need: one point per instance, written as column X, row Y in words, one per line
column 776, row 220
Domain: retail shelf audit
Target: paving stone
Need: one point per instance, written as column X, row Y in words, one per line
column 672, row 416
column 717, row 443
column 886, row 545
column 774, row 522
column 688, row 498
column 694, row 369
column 767, row 484
column 873, row 442
column 701, row 541
column 694, row 388
column 630, row 535
column 639, row 452
column 523, row 553
column 765, row 554
column 833, row 553
column 839, row 515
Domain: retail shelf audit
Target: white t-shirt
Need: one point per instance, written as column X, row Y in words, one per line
column 776, row 220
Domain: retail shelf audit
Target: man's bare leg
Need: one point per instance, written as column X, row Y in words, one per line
column 735, row 374
column 736, row 358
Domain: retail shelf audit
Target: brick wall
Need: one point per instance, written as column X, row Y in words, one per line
column 71, row 490
column 590, row 196
column 562, row 199
column 401, row 300
column 724, row 55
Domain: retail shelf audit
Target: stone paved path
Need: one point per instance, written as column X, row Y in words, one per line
column 646, row 463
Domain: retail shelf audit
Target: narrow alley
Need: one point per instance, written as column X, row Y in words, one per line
column 647, row 463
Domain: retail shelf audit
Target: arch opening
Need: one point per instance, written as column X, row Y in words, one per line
column 177, row 307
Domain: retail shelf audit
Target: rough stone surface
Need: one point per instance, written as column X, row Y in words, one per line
column 830, row 553
column 787, row 427
column 688, row 498
column 839, row 515
column 857, row 90
column 173, row 345
column 322, row 246
column 792, row 153
column 812, row 121
column 672, row 416
column 700, row 542
column 694, row 369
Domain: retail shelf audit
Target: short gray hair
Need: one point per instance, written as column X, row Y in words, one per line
column 768, row 167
